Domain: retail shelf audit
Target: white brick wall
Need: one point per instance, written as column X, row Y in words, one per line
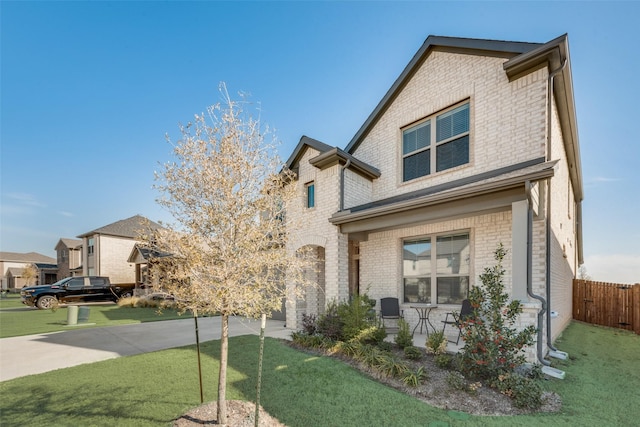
column 507, row 119
column 508, row 124
column 114, row 252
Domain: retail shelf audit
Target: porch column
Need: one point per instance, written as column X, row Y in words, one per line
column 337, row 268
column 519, row 211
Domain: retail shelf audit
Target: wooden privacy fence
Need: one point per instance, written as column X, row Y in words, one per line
column 607, row 304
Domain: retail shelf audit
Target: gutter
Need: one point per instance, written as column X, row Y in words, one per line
column 554, row 352
column 543, row 302
column 342, row 169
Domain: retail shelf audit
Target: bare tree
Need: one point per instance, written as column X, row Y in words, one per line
column 582, row 273
column 227, row 192
column 30, row 274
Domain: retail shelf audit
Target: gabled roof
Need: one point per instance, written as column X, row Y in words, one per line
column 69, row 243
column 15, row 271
column 130, row 227
column 505, row 49
column 25, row 257
column 330, row 156
column 140, row 254
column 305, row 142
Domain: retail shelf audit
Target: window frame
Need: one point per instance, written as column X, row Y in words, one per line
column 433, row 275
column 310, row 202
column 434, row 144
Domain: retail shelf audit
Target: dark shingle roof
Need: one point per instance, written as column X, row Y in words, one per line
column 130, row 227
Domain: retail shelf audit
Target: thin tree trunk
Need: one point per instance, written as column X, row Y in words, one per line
column 222, row 376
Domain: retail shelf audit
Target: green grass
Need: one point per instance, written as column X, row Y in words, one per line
column 304, row 390
column 17, row 319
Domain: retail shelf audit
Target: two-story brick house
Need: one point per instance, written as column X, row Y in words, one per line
column 475, row 144
column 106, row 250
column 69, row 255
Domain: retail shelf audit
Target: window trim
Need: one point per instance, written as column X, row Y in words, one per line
column 433, row 143
column 307, row 186
column 433, row 270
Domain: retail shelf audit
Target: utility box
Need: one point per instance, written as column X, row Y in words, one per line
column 83, row 314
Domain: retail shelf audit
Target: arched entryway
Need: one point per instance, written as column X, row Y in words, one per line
column 314, row 300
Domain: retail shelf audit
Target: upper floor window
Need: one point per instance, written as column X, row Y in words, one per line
column 310, row 189
column 90, row 246
column 438, row 143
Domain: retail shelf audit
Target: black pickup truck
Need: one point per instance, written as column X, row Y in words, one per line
column 74, row 289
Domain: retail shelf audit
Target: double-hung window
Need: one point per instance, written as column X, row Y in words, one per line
column 438, row 143
column 436, row 269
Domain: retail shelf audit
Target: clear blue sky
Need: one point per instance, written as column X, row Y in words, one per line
column 89, row 90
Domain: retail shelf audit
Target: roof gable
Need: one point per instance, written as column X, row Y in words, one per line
column 68, row 243
column 304, row 143
column 130, row 227
column 505, row 49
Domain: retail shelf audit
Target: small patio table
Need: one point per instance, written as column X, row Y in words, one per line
column 424, row 310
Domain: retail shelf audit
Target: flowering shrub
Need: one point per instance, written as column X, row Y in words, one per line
column 493, row 346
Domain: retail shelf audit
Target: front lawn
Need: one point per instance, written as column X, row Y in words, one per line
column 17, row 319
column 299, row 389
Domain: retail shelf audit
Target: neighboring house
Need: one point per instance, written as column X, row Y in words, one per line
column 19, row 261
column 475, row 144
column 143, row 258
column 69, row 257
column 105, row 250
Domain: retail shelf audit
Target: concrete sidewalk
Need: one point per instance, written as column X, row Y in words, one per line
column 34, row 354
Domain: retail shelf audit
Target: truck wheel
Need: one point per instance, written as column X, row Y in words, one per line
column 46, row 302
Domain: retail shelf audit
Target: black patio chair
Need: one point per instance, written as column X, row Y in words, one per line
column 390, row 309
column 466, row 311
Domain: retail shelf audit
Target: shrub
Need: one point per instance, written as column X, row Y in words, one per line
column 456, row 380
column 442, row 361
column 493, row 346
column 414, row 378
column 413, row 353
column 385, row 346
column 309, row 323
column 330, row 324
column 355, row 316
column 403, row 338
column 436, row 343
column 371, row 335
column 525, row 392
column 390, row 366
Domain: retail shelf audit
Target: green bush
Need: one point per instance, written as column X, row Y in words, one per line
column 370, row 335
column 442, row 360
column 493, row 346
column 412, row 352
column 456, row 380
column 330, row 324
column 525, row 392
column 403, row 338
column 385, row 346
column 355, row 316
column 436, row 343
column 414, row 378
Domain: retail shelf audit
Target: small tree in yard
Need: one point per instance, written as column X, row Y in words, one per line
column 227, row 192
column 493, row 346
column 29, row 274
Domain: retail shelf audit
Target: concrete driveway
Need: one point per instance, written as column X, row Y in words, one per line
column 34, row 354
